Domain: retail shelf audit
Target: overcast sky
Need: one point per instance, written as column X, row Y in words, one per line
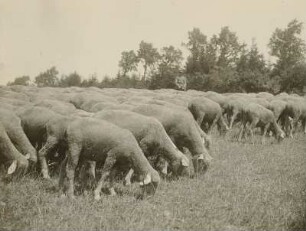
column 88, row 36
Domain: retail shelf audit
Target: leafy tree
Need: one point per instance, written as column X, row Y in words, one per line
column 128, row 62
column 252, row 70
column 227, row 47
column 294, row 79
column 289, row 49
column 197, row 45
column 23, row 80
column 48, row 78
column 170, row 58
column 92, row 81
column 73, row 79
column 107, row 82
column 287, row 46
column 148, row 55
column 169, row 67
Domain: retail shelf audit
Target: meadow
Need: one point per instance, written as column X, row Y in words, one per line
column 248, row 187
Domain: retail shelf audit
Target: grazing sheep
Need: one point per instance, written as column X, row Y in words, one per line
column 10, row 156
column 294, row 112
column 151, row 136
column 45, row 130
column 101, row 141
column 181, row 128
column 12, row 124
column 207, row 113
column 233, row 110
column 277, row 107
column 255, row 115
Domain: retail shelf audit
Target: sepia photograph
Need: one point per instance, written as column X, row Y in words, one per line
column 153, row 115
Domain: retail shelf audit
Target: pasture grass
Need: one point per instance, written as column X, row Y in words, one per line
column 248, row 187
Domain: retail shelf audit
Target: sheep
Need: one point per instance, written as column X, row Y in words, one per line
column 294, row 112
column 181, row 128
column 10, row 156
column 255, row 115
column 151, row 136
column 207, row 112
column 45, row 130
column 233, row 110
column 277, row 107
column 98, row 140
column 205, row 137
column 57, row 106
column 12, row 124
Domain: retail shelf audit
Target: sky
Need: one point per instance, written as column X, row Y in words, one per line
column 89, row 36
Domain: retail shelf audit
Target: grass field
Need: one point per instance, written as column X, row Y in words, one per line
column 248, row 187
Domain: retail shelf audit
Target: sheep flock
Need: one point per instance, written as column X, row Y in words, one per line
column 92, row 137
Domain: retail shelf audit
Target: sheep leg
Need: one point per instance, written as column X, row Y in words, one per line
column 62, row 176
column 304, row 125
column 251, row 128
column 43, row 152
column 222, row 124
column 108, row 165
column 233, row 119
column 200, row 119
column 112, row 176
column 128, row 177
column 241, row 131
column 72, row 162
column 265, row 129
column 212, row 125
column 88, row 178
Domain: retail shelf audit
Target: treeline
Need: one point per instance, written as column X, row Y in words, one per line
column 219, row 63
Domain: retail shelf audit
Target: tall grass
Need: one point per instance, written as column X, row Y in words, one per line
column 248, row 187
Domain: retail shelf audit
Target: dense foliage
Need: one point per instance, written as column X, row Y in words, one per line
column 220, row 63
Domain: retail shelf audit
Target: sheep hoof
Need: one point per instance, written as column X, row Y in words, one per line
column 112, row 192
column 62, row 196
column 97, row 196
column 127, row 183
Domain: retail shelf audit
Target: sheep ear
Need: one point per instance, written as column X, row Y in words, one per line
column 12, row 168
column 185, row 162
column 27, row 156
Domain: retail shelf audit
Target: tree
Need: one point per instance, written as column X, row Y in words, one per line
column 23, row 80
column 169, row 67
column 197, row 45
column 92, row 81
column 252, row 70
column 48, row 78
column 171, row 58
column 287, row 46
column 128, row 62
column 289, row 49
column 73, row 79
column 227, row 47
column 148, row 55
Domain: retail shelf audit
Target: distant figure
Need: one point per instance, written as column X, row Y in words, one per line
column 181, row 83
